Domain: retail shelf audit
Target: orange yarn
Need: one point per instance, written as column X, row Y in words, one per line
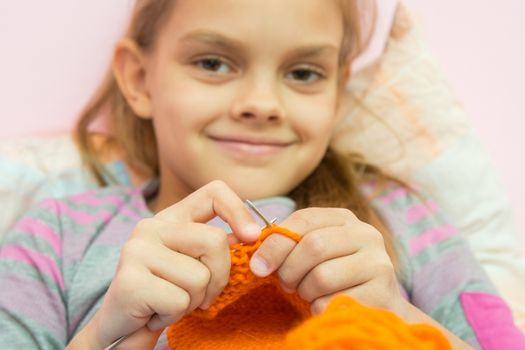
column 254, row 313
column 347, row 324
column 242, row 280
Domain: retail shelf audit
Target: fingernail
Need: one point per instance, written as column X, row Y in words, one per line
column 259, row 267
column 253, row 230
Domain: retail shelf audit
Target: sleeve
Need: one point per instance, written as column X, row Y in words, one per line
column 443, row 278
column 32, row 295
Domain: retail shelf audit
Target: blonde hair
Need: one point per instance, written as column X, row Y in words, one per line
column 334, row 183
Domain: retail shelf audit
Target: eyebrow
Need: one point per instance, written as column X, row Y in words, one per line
column 216, row 39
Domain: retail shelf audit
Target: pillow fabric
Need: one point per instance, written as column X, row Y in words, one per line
column 401, row 114
column 34, row 169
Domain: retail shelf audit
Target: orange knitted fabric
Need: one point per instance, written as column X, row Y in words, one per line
column 254, row 313
column 347, row 324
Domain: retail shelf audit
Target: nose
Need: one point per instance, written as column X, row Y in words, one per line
column 258, row 102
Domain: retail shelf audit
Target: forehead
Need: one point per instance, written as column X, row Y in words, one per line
column 264, row 23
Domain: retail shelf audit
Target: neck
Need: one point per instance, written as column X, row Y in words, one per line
column 168, row 193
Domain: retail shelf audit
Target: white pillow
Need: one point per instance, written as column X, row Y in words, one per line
column 403, row 116
column 32, row 169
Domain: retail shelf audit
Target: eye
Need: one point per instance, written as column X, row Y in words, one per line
column 213, row 64
column 306, row 75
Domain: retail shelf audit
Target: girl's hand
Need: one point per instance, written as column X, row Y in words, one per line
column 337, row 254
column 171, row 264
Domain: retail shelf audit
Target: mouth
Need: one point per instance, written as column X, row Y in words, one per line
column 249, row 146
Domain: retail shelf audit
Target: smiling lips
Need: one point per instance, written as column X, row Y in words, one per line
column 251, row 146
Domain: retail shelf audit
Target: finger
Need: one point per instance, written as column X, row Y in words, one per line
column 276, row 248
column 211, row 200
column 369, row 294
column 211, row 247
column 270, row 255
column 179, row 269
column 310, row 219
column 318, row 246
column 153, row 296
column 168, row 302
column 333, row 276
column 207, row 245
column 320, row 304
column 232, row 240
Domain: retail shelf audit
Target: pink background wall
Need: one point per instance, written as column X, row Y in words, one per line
column 480, row 45
column 55, row 52
column 53, row 55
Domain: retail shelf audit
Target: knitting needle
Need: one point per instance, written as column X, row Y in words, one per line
column 256, row 211
column 116, row 343
column 259, row 214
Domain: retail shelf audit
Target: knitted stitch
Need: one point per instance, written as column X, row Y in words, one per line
column 349, row 325
column 250, row 313
column 254, row 313
column 242, row 280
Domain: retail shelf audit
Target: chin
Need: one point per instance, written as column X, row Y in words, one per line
column 258, row 189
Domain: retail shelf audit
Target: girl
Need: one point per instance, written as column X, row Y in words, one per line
column 222, row 101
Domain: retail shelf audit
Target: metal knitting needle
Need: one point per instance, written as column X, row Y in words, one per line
column 259, row 214
column 116, row 343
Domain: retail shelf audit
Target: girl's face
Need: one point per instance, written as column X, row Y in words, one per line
column 244, row 92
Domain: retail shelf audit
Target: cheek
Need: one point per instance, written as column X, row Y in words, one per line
column 185, row 105
column 314, row 117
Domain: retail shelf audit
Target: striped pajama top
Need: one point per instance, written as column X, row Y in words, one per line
column 57, row 262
